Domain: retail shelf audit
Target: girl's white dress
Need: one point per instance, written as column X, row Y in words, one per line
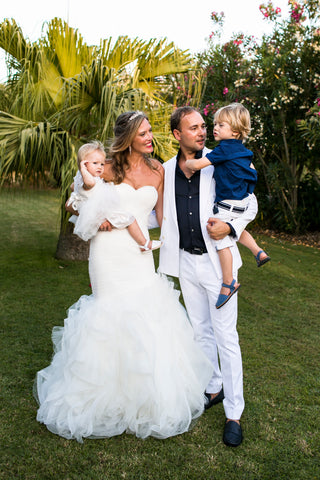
column 96, row 205
column 125, row 360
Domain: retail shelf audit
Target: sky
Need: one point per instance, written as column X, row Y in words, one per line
column 186, row 23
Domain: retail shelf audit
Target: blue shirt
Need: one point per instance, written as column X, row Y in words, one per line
column 234, row 178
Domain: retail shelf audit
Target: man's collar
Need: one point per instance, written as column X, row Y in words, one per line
column 197, row 155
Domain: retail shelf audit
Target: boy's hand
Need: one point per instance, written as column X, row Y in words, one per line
column 190, row 167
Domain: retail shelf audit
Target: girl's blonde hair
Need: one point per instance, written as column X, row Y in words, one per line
column 237, row 116
column 87, row 148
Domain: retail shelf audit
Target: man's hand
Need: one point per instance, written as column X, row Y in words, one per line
column 105, row 227
column 217, row 229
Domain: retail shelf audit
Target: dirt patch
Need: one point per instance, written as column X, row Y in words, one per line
column 309, row 239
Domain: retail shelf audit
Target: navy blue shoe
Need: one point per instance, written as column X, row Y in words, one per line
column 213, row 401
column 232, row 435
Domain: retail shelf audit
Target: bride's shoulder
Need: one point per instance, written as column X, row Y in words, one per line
column 158, row 176
column 157, row 165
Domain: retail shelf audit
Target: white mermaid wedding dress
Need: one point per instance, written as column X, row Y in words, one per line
column 125, row 360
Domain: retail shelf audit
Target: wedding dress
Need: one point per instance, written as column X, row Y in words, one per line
column 125, row 360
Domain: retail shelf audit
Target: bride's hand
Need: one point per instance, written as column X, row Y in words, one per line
column 106, row 227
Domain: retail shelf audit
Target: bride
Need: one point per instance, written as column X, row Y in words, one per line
column 125, row 360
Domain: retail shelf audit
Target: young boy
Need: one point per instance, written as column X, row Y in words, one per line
column 236, row 178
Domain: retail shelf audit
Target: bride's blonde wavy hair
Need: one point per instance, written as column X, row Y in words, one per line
column 125, row 129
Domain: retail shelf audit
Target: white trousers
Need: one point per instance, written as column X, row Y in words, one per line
column 214, row 329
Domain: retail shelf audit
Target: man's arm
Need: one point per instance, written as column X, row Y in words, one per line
column 159, row 205
column 217, row 229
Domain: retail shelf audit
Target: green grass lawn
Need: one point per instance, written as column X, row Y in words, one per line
column 279, row 307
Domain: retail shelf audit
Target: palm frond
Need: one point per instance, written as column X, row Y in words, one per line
column 66, row 49
column 120, row 55
column 164, row 143
column 28, row 148
column 159, row 58
column 12, row 40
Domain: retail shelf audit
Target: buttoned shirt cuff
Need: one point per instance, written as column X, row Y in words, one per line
column 232, row 231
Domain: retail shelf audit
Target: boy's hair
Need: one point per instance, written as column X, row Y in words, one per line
column 237, row 116
column 87, row 148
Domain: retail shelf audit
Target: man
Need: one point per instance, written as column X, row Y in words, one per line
column 189, row 253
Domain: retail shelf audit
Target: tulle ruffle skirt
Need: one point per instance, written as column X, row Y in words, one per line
column 127, row 363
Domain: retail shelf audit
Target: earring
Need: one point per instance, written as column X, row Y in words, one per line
column 130, row 149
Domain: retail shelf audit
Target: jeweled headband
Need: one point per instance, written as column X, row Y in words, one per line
column 135, row 115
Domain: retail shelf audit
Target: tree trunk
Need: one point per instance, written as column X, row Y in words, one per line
column 70, row 246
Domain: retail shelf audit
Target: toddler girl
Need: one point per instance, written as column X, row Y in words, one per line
column 96, row 200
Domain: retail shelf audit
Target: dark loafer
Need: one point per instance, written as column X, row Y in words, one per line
column 213, row 401
column 232, row 435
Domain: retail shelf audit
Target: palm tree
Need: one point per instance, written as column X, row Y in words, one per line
column 61, row 93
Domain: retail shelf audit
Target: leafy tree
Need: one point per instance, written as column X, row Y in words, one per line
column 310, row 126
column 61, row 93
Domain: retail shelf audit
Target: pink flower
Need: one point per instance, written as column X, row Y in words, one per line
column 297, row 12
column 225, row 91
column 318, row 102
column 268, row 10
